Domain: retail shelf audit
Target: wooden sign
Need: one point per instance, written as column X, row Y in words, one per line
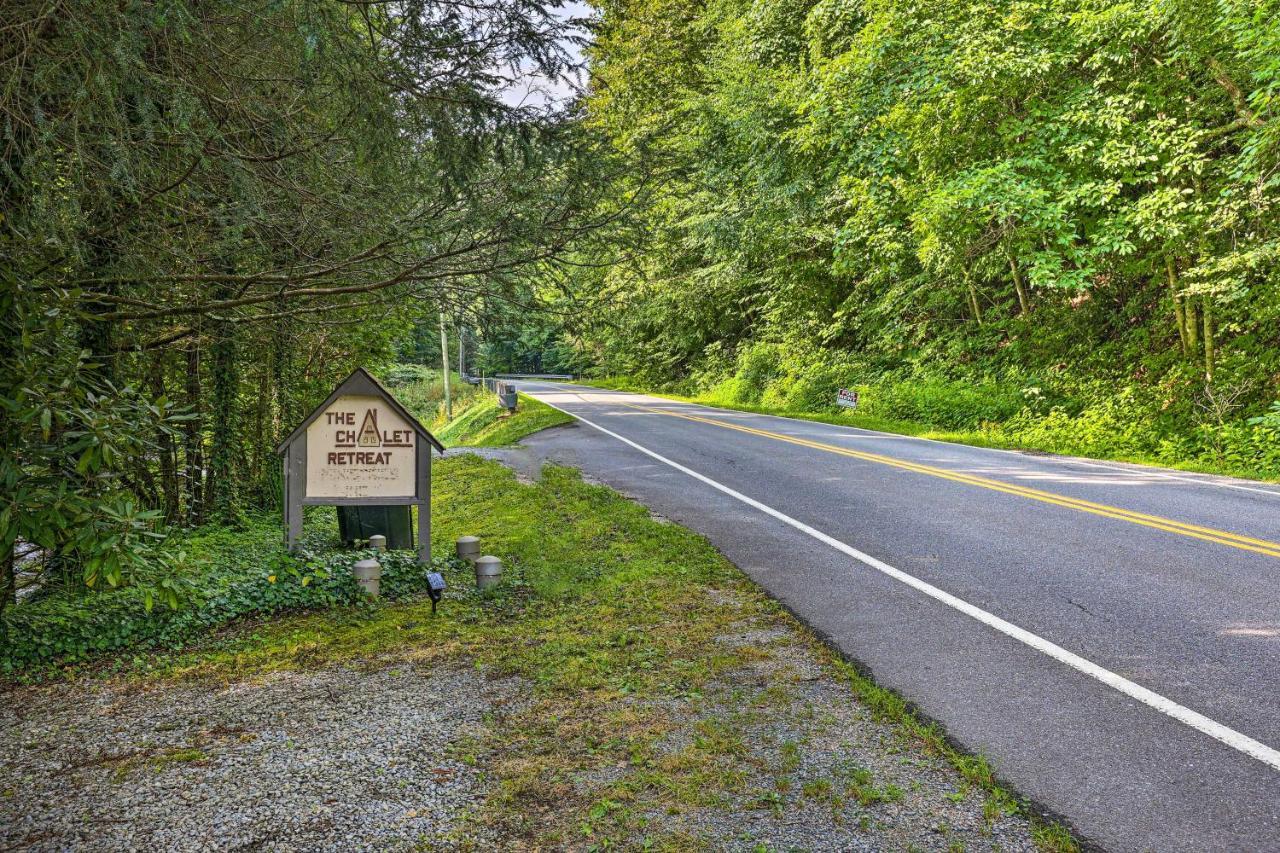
column 360, row 446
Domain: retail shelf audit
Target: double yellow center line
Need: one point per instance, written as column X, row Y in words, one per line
column 1195, row 531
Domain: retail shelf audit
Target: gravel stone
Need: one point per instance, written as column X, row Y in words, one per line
column 809, row 744
column 332, row 760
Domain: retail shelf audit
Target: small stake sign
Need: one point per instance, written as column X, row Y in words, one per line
column 360, row 446
column 847, row 398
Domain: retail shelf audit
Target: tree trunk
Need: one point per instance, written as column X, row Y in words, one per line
column 168, row 451
column 11, row 379
column 1024, row 302
column 462, row 351
column 444, row 363
column 281, row 372
column 1179, row 312
column 8, row 582
column 1193, row 327
column 223, row 414
column 1208, row 340
column 96, row 336
column 193, row 452
column 973, row 301
column 260, row 447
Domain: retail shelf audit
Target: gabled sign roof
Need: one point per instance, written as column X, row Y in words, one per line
column 361, row 382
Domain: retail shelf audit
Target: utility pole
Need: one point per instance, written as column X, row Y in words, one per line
column 462, row 351
column 444, row 364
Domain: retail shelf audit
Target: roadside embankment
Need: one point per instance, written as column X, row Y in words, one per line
column 1123, row 428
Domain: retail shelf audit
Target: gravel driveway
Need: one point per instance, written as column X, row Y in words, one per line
column 347, row 759
column 329, row 760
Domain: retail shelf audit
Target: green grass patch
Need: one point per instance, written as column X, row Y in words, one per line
column 486, row 424
column 606, row 591
column 155, row 761
column 188, row 755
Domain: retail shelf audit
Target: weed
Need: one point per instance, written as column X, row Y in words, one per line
column 1053, row 838
column 998, row 804
column 817, row 789
column 790, row 752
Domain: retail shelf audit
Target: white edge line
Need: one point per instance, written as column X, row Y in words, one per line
column 1229, row 736
column 1057, row 459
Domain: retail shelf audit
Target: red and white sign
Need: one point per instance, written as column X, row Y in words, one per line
column 847, row 398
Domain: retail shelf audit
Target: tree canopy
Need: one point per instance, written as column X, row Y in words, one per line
column 213, row 210
column 964, row 188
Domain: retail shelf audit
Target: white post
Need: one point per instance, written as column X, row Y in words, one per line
column 488, row 572
column 369, row 576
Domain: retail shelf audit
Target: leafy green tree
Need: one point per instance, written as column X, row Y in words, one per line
column 966, row 189
column 212, row 211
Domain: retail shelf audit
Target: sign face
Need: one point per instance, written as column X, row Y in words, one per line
column 360, row 448
column 847, row 398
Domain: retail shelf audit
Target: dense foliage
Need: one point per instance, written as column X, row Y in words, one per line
column 235, row 574
column 212, row 211
column 1066, row 203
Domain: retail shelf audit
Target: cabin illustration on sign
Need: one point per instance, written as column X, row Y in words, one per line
column 369, row 436
column 360, row 447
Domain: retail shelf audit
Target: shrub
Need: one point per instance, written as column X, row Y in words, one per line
column 1123, row 424
column 263, row 580
column 944, row 403
column 1252, row 447
column 814, row 389
column 756, row 368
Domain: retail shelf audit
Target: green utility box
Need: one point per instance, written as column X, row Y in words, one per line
column 361, row 522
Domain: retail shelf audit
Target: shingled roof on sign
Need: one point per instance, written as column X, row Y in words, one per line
column 361, row 382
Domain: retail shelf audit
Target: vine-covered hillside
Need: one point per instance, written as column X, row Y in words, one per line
column 1057, row 203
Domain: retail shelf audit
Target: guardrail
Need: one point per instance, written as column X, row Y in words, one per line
column 566, row 376
column 505, row 390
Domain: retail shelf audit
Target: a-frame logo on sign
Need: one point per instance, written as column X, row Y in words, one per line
column 369, row 436
column 386, row 461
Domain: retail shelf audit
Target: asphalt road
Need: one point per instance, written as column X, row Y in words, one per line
column 1107, row 635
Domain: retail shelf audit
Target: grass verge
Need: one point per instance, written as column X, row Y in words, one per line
column 615, row 622
column 486, row 424
column 992, row 437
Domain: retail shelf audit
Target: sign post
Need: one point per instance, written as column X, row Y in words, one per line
column 359, row 447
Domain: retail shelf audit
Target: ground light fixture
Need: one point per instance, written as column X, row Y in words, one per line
column 435, row 589
column 488, row 572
